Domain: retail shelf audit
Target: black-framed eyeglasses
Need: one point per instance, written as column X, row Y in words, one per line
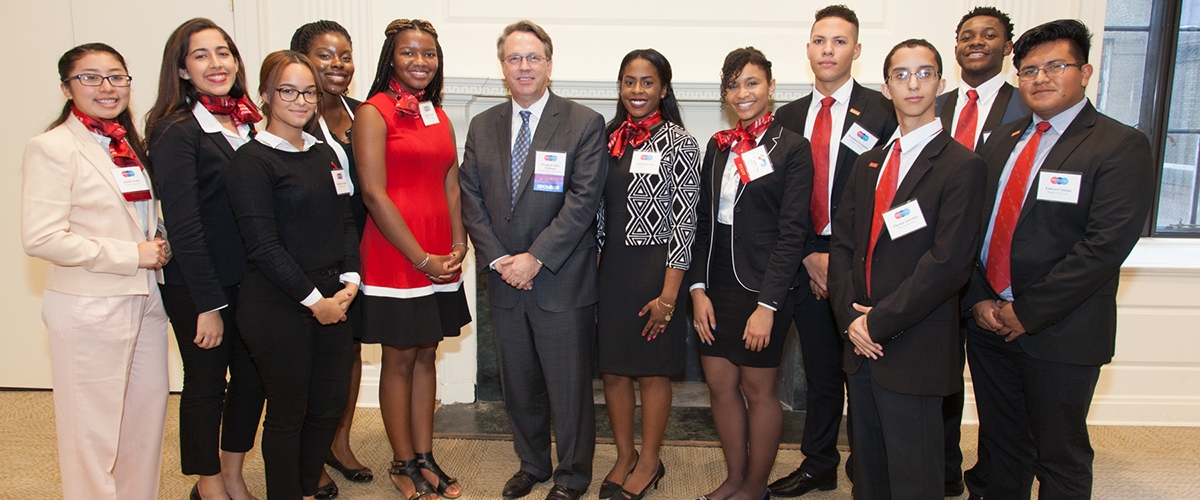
column 290, row 95
column 94, row 80
column 903, row 76
column 1054, row 69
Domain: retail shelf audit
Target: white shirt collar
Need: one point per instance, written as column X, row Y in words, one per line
column 536, row 108
column 840, row 96
column 987, row 91
column 1061, row 121
column 910, row 141
column 275, row 142
column 210, row 125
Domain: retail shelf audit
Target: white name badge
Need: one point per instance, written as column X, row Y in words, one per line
column 131, row 179
column 428, row 113
column 645, row 162
column 341, row 181
column 758, row 162
column 1061, row 187
column 549, row 168
column 904, row 219
column 858, row 139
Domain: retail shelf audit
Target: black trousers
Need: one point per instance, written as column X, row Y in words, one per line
column 952, row 410
column 212, row 409
column 1032, row 419
column 898, row 449
column 824, row 382
column 305, row 371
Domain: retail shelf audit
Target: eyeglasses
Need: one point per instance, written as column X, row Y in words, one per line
column 532, row 59
column 94, row 80
column 290, row 95
column 903, row 75
column 1030, row 73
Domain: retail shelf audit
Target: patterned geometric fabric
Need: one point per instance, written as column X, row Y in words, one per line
column 520, row 151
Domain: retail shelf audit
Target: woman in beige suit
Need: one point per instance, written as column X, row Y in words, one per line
column 88, row 209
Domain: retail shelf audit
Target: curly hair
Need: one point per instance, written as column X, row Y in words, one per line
column 383, row 71
column 735, row 62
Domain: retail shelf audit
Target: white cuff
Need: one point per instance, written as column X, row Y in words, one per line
column 217, row 309
column 312, row 298
column 697, row 285
column 350, row 278
column 492, row 266
column 768, row 307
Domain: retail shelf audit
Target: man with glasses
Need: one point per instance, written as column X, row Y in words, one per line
column 1068, row 192
column 903, row 244
column 531, row 178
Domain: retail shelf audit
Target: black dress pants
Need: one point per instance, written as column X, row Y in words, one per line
column 824, row 382
column 212, row 409
column 305, row 371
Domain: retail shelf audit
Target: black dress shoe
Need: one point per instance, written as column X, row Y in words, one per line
column 327, row 492
column 974, row 496
column 195, row 494
column 955, row 489
column 519, row 485
column 560, row 492
column 798, row 483
column 362, row 475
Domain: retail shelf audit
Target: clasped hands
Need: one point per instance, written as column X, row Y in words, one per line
column 518, row 270
column 442, row 268
column 330, row 310
column 998, row 316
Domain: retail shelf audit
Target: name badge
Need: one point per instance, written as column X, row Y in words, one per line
column 428, row 113
column 1060, row 187
column 131, row 180
column 341, row 181
column 758, row 162
column 549, row 168
column 858, row 139
column 645, row 162
column 904, row 219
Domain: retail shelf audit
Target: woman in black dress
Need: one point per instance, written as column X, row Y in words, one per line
column 647, row 223
column 202, row 115
column 327, row 45
column 750, row 232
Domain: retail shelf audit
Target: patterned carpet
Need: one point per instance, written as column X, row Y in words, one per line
column 1131, row 462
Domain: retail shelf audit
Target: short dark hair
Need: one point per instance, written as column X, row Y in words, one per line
column 989, row 12
column 527, row 27
column 736, row 61
column 911, row 43
column 1071, row 30
column 840, row 11
column 303, row 37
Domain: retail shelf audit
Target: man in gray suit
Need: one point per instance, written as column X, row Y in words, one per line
column 531, row 177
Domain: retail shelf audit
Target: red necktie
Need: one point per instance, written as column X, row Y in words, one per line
column 241, row 110
column 742, row 140
column 118, row 148
column 965, row 134
column 1000, row 249
column 818, row 205
column 884, row 192
column 407, row 103
column 633, row 133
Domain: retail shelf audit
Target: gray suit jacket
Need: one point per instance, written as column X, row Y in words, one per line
column 1007, row 107
column 557, row 228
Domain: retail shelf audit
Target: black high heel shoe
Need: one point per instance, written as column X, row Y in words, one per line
column 609, row 488
column 195, row 494
column 425, row 461
column 622, row 494
column 410, row 469
column 362, row 475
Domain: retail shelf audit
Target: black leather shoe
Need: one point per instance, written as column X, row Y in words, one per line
column 195, row 494
column 974, row 496
column 519, row 485
column 327, row 492
column 560, row 492
column 798, row 483
column 955, row 489
column 362, row 475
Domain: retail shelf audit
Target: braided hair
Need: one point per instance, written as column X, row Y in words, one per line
column 384, row 71
column 304, row 35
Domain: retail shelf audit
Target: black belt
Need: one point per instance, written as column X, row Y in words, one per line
column 333, row 270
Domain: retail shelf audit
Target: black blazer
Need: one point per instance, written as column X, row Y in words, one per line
column 356, row 200
column 189, row 169
column 1066, row 258
column 1007, row 107
column 867, row 108
column 915, row 279
column 770, row 217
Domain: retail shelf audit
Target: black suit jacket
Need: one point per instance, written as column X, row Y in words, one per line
column 915, row 279
column 869, row 109
column 770, row 217
column 1066, row 258
column 1007, row 107
column 557, row 228
column 189, row 168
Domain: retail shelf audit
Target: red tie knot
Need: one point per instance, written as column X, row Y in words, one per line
column 1042, row 127
column 972, row 95
column 827, row 102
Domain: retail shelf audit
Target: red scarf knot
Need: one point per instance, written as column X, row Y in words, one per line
column 633, row 133
column 240, row 110
column 742, row 139
column 407, row 103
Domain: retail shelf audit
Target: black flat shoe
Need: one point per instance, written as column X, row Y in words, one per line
column 362, row 475
column 425, row 461
column 622, row 494
column 609, row 488
column 195, row 494
column 410, row 469
column 327, row 492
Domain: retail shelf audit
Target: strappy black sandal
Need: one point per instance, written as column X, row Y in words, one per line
column 425, row 461
column 410, row 468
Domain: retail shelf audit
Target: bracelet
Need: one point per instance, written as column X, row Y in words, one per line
column 464, row 245
column 422, row 264
column 670, row 308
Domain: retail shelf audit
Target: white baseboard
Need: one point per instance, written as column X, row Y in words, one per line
column 452, row 392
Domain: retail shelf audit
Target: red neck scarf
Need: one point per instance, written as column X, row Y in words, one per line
column 407, row 103
column 635, row 133
column 742, row 139
column 118, row 148
column 240, row 110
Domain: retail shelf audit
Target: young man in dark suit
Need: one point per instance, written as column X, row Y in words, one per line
column 902, row 250
column 1067, row 195
column 984, row 101
column 531, row 179
column 841, row 119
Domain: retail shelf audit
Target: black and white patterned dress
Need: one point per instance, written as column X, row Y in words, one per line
column 647, row 223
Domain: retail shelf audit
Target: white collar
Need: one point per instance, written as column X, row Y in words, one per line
column 910, row 141
column 275, row 142
column 536, row 108
column 210, row 125
column 986, row 91
column 841, row 95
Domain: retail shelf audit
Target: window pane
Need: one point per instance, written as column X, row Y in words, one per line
column 1128, row 13
column 1122, row 71
column 1177, row 211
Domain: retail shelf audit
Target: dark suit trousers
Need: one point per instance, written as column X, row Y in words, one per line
column 824, row 383
column 546, row 374
column 211, row 409
column 1032, row 419
column 898, row 450
column 305, row 371
column 952, row 410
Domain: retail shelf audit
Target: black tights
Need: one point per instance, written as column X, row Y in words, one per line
column 749, row 421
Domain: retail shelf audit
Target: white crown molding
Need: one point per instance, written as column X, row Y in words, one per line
column 606, row 90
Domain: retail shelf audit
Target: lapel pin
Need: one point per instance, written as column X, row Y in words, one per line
column 855, row 111
column 1016, row 133
column 873, row 165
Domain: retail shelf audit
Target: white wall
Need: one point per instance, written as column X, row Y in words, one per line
column 1155, row 377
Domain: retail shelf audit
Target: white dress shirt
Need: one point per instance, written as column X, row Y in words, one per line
column 911, row 145
column 837, row 120
column 987, row 96
column 210, row 125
